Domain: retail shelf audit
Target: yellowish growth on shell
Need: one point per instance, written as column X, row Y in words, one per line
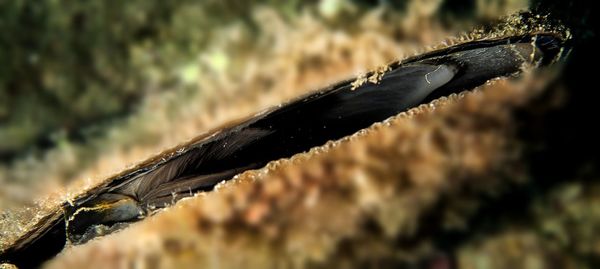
column 375, row 78
column 520, row 24
column 359, row 81
column 512, row 25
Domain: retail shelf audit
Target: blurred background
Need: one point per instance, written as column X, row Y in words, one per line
column 90, row 87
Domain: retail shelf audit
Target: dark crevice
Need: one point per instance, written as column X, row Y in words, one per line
column 295, row 127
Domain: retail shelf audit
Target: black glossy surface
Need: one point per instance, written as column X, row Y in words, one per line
column 330, row 114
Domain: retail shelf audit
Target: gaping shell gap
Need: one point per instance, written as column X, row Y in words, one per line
column 329, row 114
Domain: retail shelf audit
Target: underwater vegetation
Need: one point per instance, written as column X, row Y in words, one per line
column 340, row 110
column 417, row 172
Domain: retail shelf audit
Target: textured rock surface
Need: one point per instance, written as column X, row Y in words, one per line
column 503, row 178
column 390, row 195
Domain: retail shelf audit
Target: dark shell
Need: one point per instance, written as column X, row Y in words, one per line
column 329, row 114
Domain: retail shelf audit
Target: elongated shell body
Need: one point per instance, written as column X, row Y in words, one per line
column 329, row 114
